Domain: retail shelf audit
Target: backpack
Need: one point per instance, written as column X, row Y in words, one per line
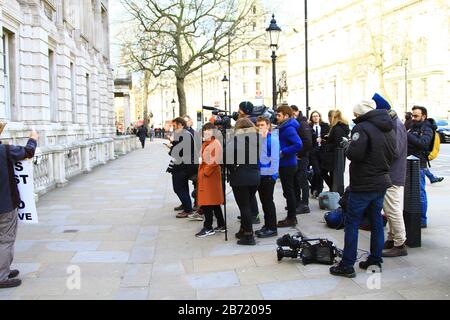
column 434, row 153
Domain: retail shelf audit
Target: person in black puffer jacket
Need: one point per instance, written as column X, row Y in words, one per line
column 339, row 130
column 301, row 185
column 244, row 174
column 371, row 153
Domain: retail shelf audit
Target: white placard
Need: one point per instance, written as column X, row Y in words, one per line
column 23, row 173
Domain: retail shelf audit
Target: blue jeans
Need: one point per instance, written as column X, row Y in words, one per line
column 358, row 204
column 180, row 182
column 423, row 195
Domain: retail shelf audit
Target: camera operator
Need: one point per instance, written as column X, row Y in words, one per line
column 244, row 174
column 320, row 129
column 182, row 169
column 291, row 144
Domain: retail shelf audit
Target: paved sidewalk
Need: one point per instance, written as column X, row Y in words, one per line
column 117, row 227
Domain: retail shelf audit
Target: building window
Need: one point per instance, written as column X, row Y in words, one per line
column 72, row 92
column 258, row 54
column 254, row 9
column 258, row 71
column 254, row 26
column 258, row 86
column 244, row 54
column 245, row 89
column 52, row 85
column 8, row 59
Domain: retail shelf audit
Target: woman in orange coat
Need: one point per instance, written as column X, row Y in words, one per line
column 210, row 191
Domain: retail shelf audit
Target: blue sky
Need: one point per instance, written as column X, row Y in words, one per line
column 285, row 11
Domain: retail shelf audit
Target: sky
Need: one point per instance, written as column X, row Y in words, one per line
column 284, row 10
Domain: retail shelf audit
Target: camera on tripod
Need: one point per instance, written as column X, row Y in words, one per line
column 321, row 251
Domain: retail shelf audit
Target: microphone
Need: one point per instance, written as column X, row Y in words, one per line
column 213, row 109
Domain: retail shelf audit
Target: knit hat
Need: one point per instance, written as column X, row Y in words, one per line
column 246, row 107
column 364, row 107
column 382, row 104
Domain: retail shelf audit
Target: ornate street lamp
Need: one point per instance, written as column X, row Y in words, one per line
column 225, row 83
column 174, row 103
column 273, row 32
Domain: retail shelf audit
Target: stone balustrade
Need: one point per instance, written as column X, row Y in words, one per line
column 55, row 165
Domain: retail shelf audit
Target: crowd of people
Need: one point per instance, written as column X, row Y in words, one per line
column 301, row 154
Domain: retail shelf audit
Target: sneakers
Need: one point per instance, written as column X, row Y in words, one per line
column 205, row 233
column 183, row 215
column 220, row 230
column 303, row 209
column 369, row 263
column 263, row 234
column 388, row 245
column 287, row 223
column 180, row 208
column 342, row 271
column 437, row 180
column 195, row 217
column 395, row 252
column 10, row 283
column 240, row 234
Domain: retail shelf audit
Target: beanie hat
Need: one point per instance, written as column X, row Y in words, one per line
column 382, row 104
column 364, row 107
column 246, row 107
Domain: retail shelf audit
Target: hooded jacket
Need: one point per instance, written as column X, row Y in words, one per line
column 336, row 134
column 372, row 152
column 420, row 139
column 290, row 143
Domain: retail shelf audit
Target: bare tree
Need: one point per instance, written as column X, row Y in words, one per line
column 181, row 36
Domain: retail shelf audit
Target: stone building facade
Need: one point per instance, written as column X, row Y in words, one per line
column 56, row 78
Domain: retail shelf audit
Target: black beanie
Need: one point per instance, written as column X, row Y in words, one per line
column 247, row 107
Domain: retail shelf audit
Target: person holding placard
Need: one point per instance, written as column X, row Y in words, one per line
column 9, row 203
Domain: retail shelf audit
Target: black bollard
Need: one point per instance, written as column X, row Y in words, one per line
column 338, row 173
column 412, row 212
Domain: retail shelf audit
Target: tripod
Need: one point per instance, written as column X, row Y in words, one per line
column 223, row 125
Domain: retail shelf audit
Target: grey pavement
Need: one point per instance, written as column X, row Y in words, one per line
column 112, row 234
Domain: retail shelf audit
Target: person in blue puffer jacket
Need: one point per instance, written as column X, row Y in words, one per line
column 290, row 144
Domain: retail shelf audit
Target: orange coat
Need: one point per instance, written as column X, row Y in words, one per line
column 209, row 181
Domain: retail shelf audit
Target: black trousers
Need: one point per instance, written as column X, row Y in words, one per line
column 301, row 182
column 328, row 178
column 143, row 143
column 317, row 180
column 210, row 212
column 287, row 176
column 243, row 196
column 265, row 190
column 180, row 182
